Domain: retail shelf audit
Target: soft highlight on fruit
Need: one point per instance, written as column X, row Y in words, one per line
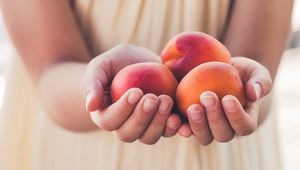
column 187, row 50
column 220, row 78
column 150, row 77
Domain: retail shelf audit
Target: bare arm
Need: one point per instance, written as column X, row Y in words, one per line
column 49, row 42
column 259, row 30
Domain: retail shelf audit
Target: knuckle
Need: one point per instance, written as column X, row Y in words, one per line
column 235, row 118
column 204, row 137
column 169, row 133
column 142, row 119
column 93, row 62
column 106, row 125
column 207, row 141
column 224, row 139
column 83, row 88
column 125, row 137
column 266, row 82
column 159, row 120
column 198, row 129
column 122, row 47
column 246, row 131
column 89, row 85
column 86, row 85
column 214, row 118
column 148, row 141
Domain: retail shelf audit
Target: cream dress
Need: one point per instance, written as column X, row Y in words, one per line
column 29, row 140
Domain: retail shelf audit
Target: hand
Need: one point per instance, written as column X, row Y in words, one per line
column 217, row 120
column 135, row 115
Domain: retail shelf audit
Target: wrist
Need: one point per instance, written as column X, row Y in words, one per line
column 60, row 97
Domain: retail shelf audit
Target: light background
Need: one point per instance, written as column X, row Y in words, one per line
column 287, row 94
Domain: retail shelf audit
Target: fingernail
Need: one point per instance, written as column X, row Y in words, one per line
column 164, row 107
column 88, row 99
column 133, row 97
column 257, row 89
column 195, row 113
column 172, row 124
column 229, row 103
column 149, row 105
column 208, row 100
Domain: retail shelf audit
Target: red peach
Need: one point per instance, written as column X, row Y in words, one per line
column 189, row 49
column 152, row 78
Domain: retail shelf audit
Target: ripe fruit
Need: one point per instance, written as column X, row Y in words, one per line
column 189, row 49
column 149, row 77
column 221, row 78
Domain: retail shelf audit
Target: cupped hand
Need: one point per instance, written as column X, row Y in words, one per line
column 135, row 116
column 213, row 119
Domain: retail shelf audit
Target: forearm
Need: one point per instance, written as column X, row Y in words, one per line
column 59, row 90
column 48, row 39
column 259, row 30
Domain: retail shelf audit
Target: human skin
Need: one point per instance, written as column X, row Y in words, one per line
column 262, row 36
column 60, row 55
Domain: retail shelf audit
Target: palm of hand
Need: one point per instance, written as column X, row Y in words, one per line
column 134, row 116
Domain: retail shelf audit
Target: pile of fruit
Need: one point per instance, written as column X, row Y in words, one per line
column 192, row 63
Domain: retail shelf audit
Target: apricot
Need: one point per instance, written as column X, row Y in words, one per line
column 189, row 49
column 220, row 78
column 150, row 77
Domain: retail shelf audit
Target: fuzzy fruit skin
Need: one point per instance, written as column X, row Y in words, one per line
column 220, row 78
column 189, row 49
column 150, row 77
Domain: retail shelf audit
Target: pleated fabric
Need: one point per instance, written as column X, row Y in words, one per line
column 30, row 140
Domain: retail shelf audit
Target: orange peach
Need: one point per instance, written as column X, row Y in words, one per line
column 218, row 77
column 189, row 49
column 152, row 78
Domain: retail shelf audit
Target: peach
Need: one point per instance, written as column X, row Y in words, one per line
column 153, row 78
column 221, row 78
column 189, row 49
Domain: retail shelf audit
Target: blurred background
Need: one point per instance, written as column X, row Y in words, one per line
column 286, row 89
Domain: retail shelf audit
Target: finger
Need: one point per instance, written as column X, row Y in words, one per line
column 256, row 77
column 258, row 87
column 199, row 124
column 94, row 82
column 173, row 123
column 217, row 121
column 113, row 116
column 157, row 126
column 93, row 98
column 136, row 124
column 242, row 122
column 185, row 130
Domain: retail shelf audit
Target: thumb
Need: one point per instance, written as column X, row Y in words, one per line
column 259, row 84
column 94, row 97
column 257, row 78
column 94, row 83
